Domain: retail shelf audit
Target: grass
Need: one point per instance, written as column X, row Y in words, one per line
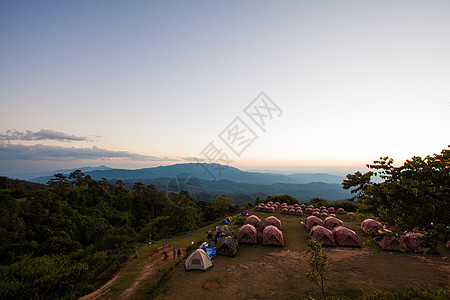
column 259, row 272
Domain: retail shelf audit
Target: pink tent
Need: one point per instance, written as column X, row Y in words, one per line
column 284, row 211
column 255, row 221
column 247, row 234
column 340, row 211
column 299, row 212
column 323, row 215
column 413, row 242
column 350, row 215
column 331, row 210
column 312, row 221
column 322, row 235
column 371, row 224
column 391, row 243
column 292, row 211
column 308, row 210
column 272, row 236
column 273, row 221
column 331, row 222
column 316, row 214
column 345, row 237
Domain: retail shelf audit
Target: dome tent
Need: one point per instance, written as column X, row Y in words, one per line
column 322, row 235
column 198, row 261
column 345, row 237
column 226, row 246
column 272, row 236
column 331, row 222
column 370, row 224
column 312, row 221
column 273, row 221
column 247, row 234
column 255, row 221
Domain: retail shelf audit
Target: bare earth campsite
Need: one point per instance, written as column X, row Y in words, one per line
column 266, row 272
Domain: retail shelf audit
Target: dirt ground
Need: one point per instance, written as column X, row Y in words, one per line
column 259, row 272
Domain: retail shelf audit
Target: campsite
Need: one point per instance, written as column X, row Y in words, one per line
column 270, row 272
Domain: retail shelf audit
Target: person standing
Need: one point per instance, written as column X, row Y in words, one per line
column 165, row 255
column 179, row 253
column 174, row 252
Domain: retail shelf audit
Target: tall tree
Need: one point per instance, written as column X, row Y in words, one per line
column 413, row 196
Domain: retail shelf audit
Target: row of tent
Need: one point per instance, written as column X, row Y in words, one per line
column 272, row 234
column 390, row 242
column 300, row 209
column 331, row 232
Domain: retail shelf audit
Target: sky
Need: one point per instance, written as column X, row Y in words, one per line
column 323, row 86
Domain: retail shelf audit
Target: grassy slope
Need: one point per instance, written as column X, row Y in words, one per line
column 268, row 272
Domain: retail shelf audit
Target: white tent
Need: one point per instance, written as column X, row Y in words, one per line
column 198, row 260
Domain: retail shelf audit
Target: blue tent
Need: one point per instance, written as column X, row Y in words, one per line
column 224, row 221
column 210, row 251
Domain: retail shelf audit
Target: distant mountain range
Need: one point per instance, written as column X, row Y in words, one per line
column 207, row 180
column 212, row 172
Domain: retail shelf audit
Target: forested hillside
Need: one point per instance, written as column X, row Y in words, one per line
column 65, row 238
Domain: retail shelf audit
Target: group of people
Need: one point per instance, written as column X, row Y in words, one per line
column 175, row 253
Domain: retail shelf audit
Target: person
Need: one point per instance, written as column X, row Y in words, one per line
column 218, row 232
column 179, row 253
column 210, row 235
column 174, row 252
column 165, row 255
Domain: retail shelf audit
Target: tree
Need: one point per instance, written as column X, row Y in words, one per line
column 413, row 196
column 223, row 205
column 319, row 263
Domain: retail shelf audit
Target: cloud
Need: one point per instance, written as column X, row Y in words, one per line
column 190, row 158
column 43, row 134
column 58, row 153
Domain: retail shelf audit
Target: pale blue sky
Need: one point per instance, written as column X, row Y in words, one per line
column 158, row 81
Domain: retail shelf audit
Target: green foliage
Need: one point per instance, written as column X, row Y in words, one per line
column 425, row 293
column 413, row 196
column 64, row 239
column 319, row 263
column 223, row 206
column 280, row 198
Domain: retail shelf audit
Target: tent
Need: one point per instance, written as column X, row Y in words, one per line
column 323, row 215
column 345, row 237
column 308, row 210
column 331, row 210
column 255, row 221
column 226, row 246
column 210, row 252
column 316, row 214
column 198, row 261
column 284, row 211
column 273, row 221
column 302, row 206
column 413, row 242
column 292, row 211
column 371, row 224
column 272, row 236
column 247, row 234
column 331, row 222
column 340, row 211
column 299, row 212
column 322, row 235
column 226, row 231
column 245, row 212
column 391, row 243
column 312, row 221
column 350, row 215
column 271, row 209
